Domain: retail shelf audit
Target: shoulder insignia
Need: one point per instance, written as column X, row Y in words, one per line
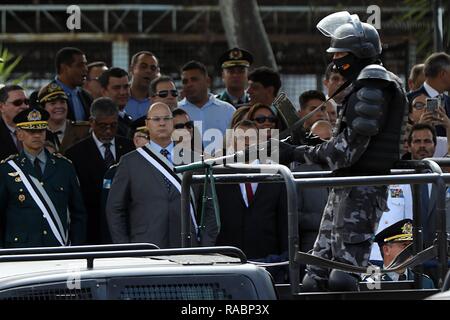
column 9, row 158
column 60, row 156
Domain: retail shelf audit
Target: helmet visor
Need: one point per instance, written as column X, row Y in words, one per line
column 333, row 25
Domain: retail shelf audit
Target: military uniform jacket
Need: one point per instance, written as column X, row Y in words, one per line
column 225, row 97
column 21, row 221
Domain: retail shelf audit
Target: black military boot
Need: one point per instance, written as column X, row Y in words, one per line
column 342, row 281
column 309, row 284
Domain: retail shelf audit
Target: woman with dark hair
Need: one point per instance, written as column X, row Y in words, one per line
column 264, row 118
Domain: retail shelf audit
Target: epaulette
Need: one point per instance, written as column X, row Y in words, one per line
column 9, row 158
column 80, row 123
column 60, row 156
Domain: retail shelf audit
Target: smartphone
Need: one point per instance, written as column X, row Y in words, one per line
column 432, row 104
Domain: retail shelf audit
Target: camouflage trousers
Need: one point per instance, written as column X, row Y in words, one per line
column 348, row 224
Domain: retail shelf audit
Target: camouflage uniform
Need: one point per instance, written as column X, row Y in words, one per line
column 367, row 142
column 351, row 215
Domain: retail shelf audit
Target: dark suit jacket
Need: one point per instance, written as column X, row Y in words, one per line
column 7, row 145
column 91, row 168
column 259, row 230
column 125, row 126
column 310, row 212
column 440, row 130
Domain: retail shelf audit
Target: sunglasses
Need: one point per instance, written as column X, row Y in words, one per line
column 262, row 119
column 187, row 125
column 19, row 102
column 165, row 93
column 419, row 105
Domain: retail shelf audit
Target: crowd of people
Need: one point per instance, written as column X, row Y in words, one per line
column 89, row 158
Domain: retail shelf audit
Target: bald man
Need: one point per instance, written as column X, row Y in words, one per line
column 144, row 202
column 323, row 129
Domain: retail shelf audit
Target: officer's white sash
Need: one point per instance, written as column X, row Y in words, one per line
column 44, row 203
column 160, row 163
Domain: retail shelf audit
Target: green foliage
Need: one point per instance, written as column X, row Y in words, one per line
column 421, row 10
column 10, row 62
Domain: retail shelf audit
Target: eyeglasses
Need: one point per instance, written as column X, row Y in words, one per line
column 262, row 119
column 158, row 119
column 165, row 93
column 19, row 102
column 419, row 105
column 106, row 126
column 187, row 125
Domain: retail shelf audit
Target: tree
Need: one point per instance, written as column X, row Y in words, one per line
column 10, row 62
column 244, row 28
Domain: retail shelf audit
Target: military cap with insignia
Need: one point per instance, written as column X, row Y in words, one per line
column 236, row 57
column 50, row 92
column 32, row 119
column 398, row 232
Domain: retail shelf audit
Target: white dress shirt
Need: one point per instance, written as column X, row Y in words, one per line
column 102, row 148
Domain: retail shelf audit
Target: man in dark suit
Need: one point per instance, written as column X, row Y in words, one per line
column 253, row 215
column 144, row 202
column 40, row 197
column 114, row 83
column 437, row 81
column 71, row 69
column 12, row 101
column 94, row 155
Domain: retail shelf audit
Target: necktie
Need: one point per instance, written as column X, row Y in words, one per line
column 37, row 168
column 19, row 145
column 109, row 158
column 402, row 277
column 56, row 140
column 166, row 153
column 249, row 190
column 425, row 199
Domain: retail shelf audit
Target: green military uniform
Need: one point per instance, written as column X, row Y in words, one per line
column 224, row 96
column 22, row 221
column 235, row 58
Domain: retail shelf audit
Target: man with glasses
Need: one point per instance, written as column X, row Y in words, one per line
column 162, row 89
column 234, row 64
column 114, row 83
column 92, row 84
column 12, row 101
column 144, row 67
column 437, row 82
column 144, row 201
column 94, row 155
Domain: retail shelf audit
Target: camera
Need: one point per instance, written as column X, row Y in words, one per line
column 432, row 104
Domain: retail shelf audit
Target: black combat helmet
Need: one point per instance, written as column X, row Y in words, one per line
column 349, row 34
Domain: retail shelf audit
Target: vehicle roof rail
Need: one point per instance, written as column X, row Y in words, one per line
column 90, row 256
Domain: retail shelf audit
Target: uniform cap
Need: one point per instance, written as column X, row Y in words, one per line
column 32, row 119
column 236, row 57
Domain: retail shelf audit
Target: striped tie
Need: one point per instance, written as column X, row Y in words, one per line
column 166, row 153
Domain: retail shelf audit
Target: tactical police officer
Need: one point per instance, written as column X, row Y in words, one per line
column 367, row 142
column 235, row 63
column 40, row 197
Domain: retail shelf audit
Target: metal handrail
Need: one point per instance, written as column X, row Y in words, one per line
column 438, row 178
column 87, row 248
column 91, row 256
